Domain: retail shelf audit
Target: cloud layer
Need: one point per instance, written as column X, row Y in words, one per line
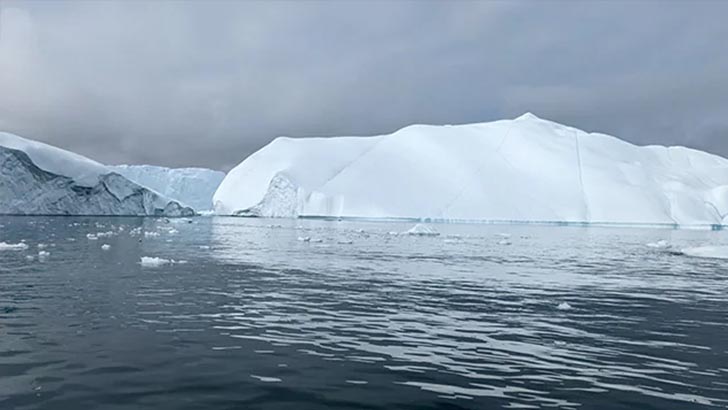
column 208, row 83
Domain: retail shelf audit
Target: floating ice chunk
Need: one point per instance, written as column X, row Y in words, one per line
column 105, row 247
column 504, row 242
column 149, row 234
column 135, row 231
column 360, row 382
column 29, row 258
column 91, row 237
column 173, row 231
column 304, row 238
column 43, row 255
column 345, row 242
column 265, row 379
column 104, row 234
column 153, row 261
column 13, row 246
column 42, row 246
column 422, row 230
column 715, row 252
column 563, row 306
column 204, row 247
column 661, row 244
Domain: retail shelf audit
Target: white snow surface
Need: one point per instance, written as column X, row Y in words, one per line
column 521, row 170
column 58, row 161
column 192, row 187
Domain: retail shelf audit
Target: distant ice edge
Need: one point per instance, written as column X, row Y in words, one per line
column 713, row 227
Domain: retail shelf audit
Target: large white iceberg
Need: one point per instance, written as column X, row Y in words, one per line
column 193, row 187
column 39, row 179
column 525, row 169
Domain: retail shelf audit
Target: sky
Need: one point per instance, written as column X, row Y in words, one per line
column 193, row 83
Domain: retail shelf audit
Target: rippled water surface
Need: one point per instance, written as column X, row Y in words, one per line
column 270, row 314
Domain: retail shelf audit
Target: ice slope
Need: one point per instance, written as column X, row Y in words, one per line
column 38, row 179
column 525, row 169
column 193, row 187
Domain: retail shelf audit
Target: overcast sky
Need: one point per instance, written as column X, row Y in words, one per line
column 206, row 84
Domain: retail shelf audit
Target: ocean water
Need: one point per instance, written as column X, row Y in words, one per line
column 300, row 314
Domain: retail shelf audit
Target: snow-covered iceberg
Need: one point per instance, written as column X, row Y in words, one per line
column 193, row 187
column 525, row 169
column 39, row 179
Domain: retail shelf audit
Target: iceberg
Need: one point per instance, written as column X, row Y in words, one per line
column 522, row 170
column 39, row 179
column 192, row 187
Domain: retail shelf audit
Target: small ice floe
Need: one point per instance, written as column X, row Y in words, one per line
column 316, row 240
column 43, row 255
column 42, row 246
column 265, row 379
column 392, row 233
column 661, row 244
column 274, row 226
column 4, row 246
column 713, row 252
column 91, row 237
column 29, row 258
column 359, row 382
column 136, row 231
column 155, row 262
column 422, row 230
column 151, row 234
column 504, row 242
column 172, row 231
column 563, row 306
column 105, row 247
column 104, row 234
column 304, row 239
column 345, row 242
column 204, row 247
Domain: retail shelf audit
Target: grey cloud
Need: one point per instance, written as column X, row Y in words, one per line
column 208, row 83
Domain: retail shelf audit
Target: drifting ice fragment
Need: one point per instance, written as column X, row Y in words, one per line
column 105, row 247
column 12, row 246
column 659, row 244
column 153, row 261
column 715, row 252
column 422, row 230
column 564, row 306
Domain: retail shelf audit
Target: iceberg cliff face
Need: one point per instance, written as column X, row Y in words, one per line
column 193, row 187
column 38, row 179
column 526, row 169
